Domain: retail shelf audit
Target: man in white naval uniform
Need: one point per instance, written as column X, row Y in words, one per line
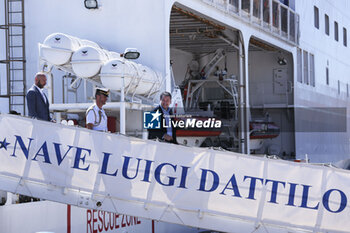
column 96, row 118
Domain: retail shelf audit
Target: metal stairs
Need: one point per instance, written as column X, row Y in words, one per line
column 15, row 55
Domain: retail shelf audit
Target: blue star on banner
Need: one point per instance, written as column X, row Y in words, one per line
column 4, row 144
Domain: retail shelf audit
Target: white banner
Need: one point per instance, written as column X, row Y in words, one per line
column 197, row 187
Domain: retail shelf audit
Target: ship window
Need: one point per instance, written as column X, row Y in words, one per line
column 312, row 70
column 299, row 66
column 266, row 11
column 345, row 37
column 292, row 25
column 326, row 20
column 316, row 18
column 306, row 68
column 234, row 3
column 284, row 19
column 275, row 15
column 256, row 9
column 327, row 76
column 246, row 5
column 336, row 36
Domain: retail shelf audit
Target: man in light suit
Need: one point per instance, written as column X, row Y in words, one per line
column 37, row 102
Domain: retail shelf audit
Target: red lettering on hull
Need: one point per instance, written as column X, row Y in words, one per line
column 123, row 221
column 88, row 218
column 101, row 221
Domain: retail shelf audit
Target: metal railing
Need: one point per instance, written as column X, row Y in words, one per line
column 270, row 15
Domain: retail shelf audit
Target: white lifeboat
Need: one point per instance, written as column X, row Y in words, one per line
column 138, row 79
column 58, row 48
column 87, row 61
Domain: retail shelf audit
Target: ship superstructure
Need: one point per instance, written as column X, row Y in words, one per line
column 273, row 72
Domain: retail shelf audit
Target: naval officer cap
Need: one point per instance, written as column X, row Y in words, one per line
column 103, row 91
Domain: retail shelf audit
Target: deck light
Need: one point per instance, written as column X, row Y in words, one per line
column 91, row 4
column 131, row 53
column 282, row 61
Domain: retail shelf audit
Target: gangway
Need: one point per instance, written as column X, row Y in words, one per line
column 199, row 187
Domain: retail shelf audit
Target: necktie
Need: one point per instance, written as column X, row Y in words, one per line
column 45, row 98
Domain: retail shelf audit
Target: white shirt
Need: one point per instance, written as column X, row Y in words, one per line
column 93, row 117
column 42, row 93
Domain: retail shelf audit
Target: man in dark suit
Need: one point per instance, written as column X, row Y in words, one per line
column 37, row 102
column 168, row 134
